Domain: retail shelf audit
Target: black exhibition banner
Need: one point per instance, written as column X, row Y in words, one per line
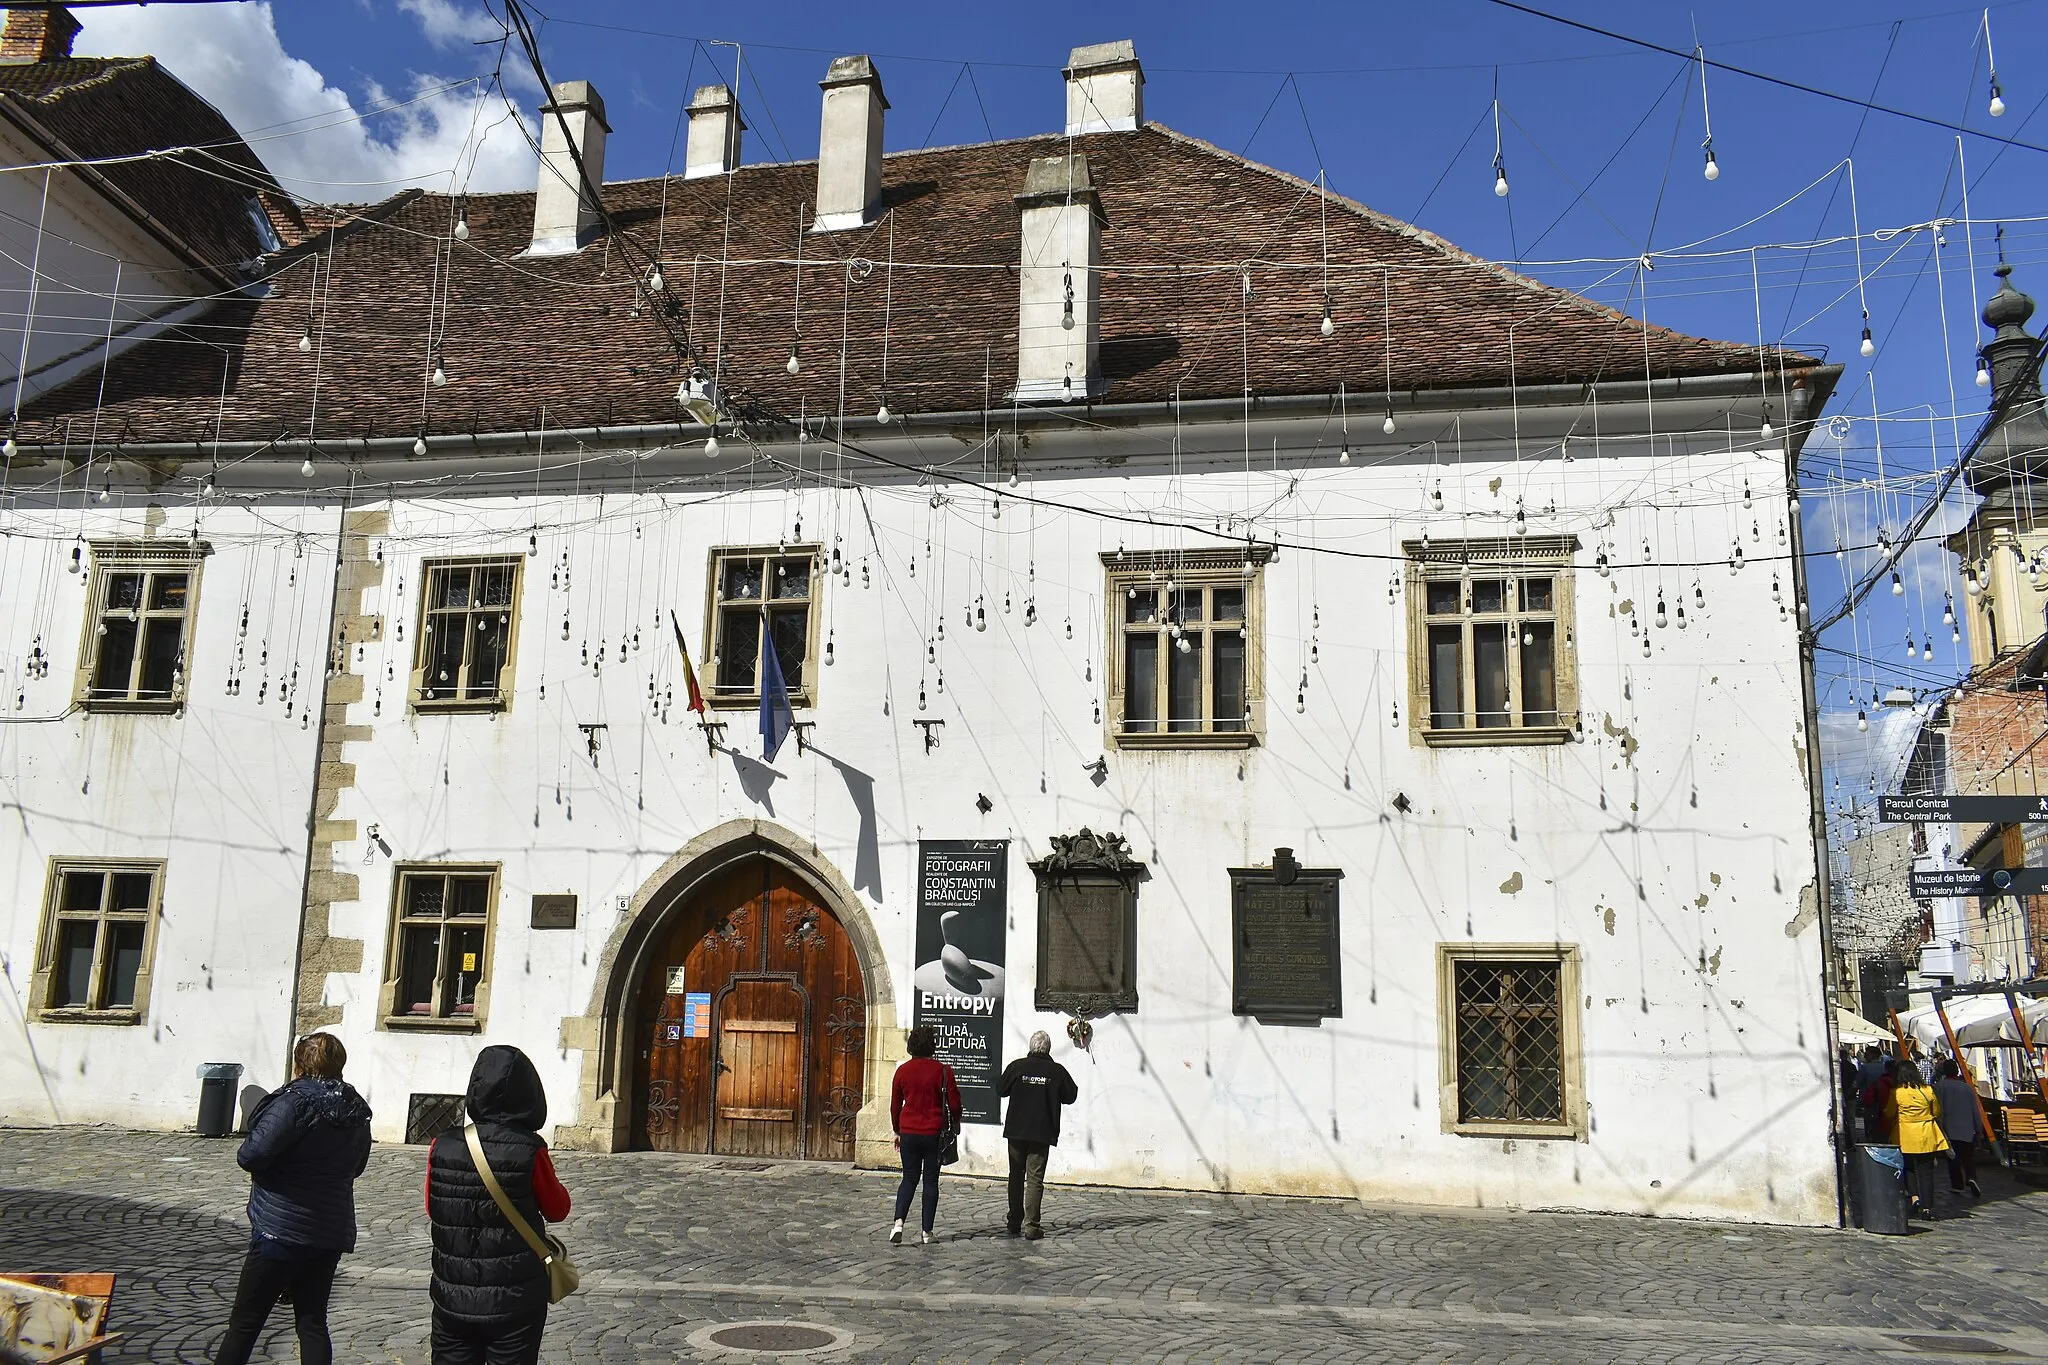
column 957, row 986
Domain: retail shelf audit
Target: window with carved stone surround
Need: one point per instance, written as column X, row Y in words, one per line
column 1511, row 1063
column 98, row 940
column 762, row 592
column 1185, row 648
column 468, row 634
column 1492, row 651
column 438, row 961
column 138, row 631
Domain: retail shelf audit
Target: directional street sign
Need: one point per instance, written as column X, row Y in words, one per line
column 1995, row 810
column 1971, row 882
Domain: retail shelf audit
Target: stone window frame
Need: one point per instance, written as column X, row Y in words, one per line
column 388, row 1017
column 1511, row 558
column 1573, row 1124
column 416, row 684
column 802, row 697
column 1124, row 570
column 44, row 979
column 115, row 557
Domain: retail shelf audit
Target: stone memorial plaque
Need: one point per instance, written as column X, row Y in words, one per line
column 1087, row 926
column 554, row 912
column 1286, row 952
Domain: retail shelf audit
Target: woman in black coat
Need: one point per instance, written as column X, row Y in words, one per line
column 307, row 1144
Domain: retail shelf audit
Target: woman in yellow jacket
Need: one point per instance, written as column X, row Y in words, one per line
column 1917, row 1120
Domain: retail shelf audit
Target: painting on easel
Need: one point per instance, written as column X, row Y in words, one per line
column 49, row 1319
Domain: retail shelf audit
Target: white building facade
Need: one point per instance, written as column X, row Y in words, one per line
column 1520, row 663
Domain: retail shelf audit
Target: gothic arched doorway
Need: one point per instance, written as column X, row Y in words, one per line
column 751, row 1022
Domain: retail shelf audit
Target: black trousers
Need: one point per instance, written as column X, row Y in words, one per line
column 1920, row 1172
column 310, row 1280
column 1962, row 1164
column 920, row 1160
column 458, row 1343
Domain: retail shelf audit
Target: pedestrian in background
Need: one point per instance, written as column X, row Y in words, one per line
column 1880, row 1117
column 307, row 1144
column 924, row 1103
column 490, row 1290
column 1037, row 1087
column 1961, row 1123
column 1917, row 1120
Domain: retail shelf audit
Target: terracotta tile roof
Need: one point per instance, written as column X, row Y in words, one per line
column 517, row 334
column 95, row 107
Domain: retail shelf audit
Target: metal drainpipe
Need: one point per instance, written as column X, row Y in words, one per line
column 291, row 1034
column 1817, row 818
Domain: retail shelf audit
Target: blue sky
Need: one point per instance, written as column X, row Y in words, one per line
column 1602, row 143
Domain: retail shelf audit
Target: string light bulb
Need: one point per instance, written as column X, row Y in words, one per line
column 1997, row 99
column 1767, row 430
column 794, row 366
column 654, row 280
column 1948, row 609
column 1869, row 347
column 883, row 415
column 1329, row 327
column 107, row 489
column 306, row 469
column 1713, row 171
column 1983, row 373
column 462, row 224
column 8, row 448
column 305, row 343
column 1862, row 721
column 419, row 447
column 1898, row 587
column 711, row 446
column 1500, row 179
column 1388, row 425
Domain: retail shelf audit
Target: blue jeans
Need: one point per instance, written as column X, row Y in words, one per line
column 920, row 1157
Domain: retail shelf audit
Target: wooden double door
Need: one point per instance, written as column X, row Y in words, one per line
column 753, row 1024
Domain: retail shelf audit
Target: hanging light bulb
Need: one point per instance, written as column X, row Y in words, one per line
column 440, row 376
column 462, row 224
column 1662, row 621
column 107, row 489
column 1970, row 583
column 1768, row 430
column 654, row 280
column 1997, row 99
column 1862, row 721
column 8, row 448
column 1436, row 495
column 1388, row 425
column 711, row 445
column 794, row 366
column 1927, row 648
column 1329, row 325
column 1713, row 171
column 882, row 414
column 1344, row 453
column 1869, row 347
column 1948, row 608
column 1500, row 179
column 305, row 343
column 1898, row 587
column 306, row 469
column 1681, row 620
column 1983, row 373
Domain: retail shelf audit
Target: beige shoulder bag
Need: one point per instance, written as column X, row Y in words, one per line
column 562, row 1276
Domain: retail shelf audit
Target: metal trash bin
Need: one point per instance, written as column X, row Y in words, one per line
column 1881, row 1185
column 217, row 1082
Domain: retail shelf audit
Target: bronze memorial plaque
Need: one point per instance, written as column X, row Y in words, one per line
column 1286, row 955
column 554, row 912
column 1087, row 926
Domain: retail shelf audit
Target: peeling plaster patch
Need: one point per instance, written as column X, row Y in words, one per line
column 1714, row 963
column 152, row 519
column 1628, row 604
column 1511, row 885
column 1607, row 919
column 1809, row 913
column 1700, row 901
column 1714, row 877
column 1613, row 1000
column 1493, row 487
column 1621, row 732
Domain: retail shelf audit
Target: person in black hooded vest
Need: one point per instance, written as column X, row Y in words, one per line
column 490, row 1291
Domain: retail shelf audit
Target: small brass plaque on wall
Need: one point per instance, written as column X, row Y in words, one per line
column 554, row 912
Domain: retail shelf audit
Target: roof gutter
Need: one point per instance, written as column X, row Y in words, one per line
column 1747, row 384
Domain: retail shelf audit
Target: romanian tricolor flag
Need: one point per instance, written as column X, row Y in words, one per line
column 689, row 673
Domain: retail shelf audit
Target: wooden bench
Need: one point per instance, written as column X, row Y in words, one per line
column 2026, row 1133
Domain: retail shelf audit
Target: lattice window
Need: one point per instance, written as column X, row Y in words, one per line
column 757, row 594
column 467, row 616
column 1510, row 1042
column 429, row 1116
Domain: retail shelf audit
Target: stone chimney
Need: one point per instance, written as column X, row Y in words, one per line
column 1105, row 89
column 849, row 145
column 1059, row 283
column 39, row 34
column 564, row 210
column 715, row 128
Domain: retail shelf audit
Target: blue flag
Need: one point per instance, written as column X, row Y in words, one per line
column 776, row 717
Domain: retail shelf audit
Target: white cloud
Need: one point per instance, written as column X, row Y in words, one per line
column 451, row 25
column 311, row 133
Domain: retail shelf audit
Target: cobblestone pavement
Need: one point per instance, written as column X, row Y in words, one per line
column 675, row 1248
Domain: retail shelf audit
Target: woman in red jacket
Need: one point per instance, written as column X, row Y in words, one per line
column 920, row 1100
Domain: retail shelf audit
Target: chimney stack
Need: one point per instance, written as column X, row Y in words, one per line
column 564, row 209
column 715, row 128
column 1105, row 89
column 41, row 34
column 849, row 145
column 1059, row 284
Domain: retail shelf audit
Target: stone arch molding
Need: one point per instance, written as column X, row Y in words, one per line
column 603, row 1034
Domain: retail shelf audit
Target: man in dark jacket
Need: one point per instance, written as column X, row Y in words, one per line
column 307, row 1144
column 490, row 1291
column 1036, row 1086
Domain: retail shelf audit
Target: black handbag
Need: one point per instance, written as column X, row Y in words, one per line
column 949, row 1132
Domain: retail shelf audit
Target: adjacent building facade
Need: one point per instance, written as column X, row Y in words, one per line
column 1355, row 708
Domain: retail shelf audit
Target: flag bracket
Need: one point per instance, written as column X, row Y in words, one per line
column 714, row 734
column 803, row 730
column 931, row 732
column 593, row 738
